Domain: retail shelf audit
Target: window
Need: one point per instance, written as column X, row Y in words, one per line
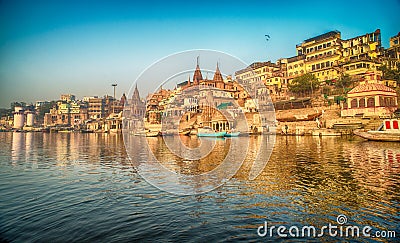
column 322, row 65
column 329, row 44
column 313, row 67
column 395, row 124
column 324, row 45
column 371, row 102
column 362, row 103
column 353, row 103
column 387, row 124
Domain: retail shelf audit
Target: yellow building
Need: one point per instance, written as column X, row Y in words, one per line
column 256, row 72
column 322, row 55
column 363, row 47
column 296, row 66
column 392, row 55
column 358, row 68
column 271, row 74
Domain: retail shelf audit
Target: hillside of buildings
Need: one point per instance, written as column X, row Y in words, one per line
column 329, row 78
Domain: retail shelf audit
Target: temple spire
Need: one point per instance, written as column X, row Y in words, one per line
column 197, row 76
column 218, row 75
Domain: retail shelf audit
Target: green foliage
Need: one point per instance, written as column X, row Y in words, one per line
column 391, row 74
column 344, row 82
column 304, row 84
column 45, row 108
column 5, row 112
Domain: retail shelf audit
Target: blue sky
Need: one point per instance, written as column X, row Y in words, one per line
column 52, row 47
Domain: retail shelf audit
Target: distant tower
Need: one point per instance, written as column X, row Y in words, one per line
column 19, row 117
column 197, row 77
column 30, row 118
column 138, row 107
column 123, row 99
column 188, row 82
column 135, row 96
column 218, row 75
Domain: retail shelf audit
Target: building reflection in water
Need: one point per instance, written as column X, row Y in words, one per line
column 309, row 174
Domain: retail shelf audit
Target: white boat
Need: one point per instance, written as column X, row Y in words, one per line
column 389, row 132
column 209, row 132
column 232, row 134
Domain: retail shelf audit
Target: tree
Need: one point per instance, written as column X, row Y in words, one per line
column 45, row 108
column 391, row 74
column 304, row 84
column 344, row 82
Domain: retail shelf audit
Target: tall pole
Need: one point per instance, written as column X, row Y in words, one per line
column 113, row 103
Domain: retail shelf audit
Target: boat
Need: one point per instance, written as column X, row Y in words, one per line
column 152, row 133
column 185, row 132
column 302, row 117
column 388, row 132
column 86, row 131
column 209, row 132
column 232, row 134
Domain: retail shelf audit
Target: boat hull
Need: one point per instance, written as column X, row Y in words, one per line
column 215, row 134
column 232, row 134
column 378, row 135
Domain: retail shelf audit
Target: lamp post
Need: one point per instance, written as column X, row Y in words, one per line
column 113, row 103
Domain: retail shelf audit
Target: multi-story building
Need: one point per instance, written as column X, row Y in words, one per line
column 71, row 114
column 96, row 107
column 67, row 97
column 256, row 72
column 296, row 66
column 391, row 56
column 360, row 54
column 363, row 47
column 322, row 54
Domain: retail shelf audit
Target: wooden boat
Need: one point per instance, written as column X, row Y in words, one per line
column 388, row 132
column 232, row 134
column 209, row 132
column 152, row 133
column 86, row 131
column 185, row 132
column 294, row 118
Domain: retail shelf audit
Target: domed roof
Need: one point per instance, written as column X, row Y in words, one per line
column 371, row 87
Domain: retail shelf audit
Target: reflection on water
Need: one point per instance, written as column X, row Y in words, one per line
column 81, row 187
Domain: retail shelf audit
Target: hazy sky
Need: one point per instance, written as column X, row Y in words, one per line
column 52, row 47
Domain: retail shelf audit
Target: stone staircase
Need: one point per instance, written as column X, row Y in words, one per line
column 373, row 124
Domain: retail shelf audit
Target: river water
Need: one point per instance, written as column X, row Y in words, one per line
column 82, row 187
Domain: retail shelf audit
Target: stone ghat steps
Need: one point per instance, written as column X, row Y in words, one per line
column 373, row 124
